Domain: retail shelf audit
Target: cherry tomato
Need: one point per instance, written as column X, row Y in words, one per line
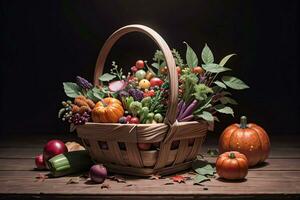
column 156, row 81
column 134, row 120
column 149, row 93
column 134, row 69
column 198, row 70
column 140, row 64
column 144, row 146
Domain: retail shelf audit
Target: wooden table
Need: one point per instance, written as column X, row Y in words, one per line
column 279, row 178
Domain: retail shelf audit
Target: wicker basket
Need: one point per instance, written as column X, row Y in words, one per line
column 122, row 154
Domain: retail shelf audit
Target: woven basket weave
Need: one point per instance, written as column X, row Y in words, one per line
column 122, row 154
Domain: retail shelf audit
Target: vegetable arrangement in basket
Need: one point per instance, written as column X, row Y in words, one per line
column 141, row 95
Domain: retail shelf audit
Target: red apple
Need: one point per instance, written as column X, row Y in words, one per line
column 140, row 64
column 156, row 81
column 53, row 148
column 39, row 162
column 144, row 146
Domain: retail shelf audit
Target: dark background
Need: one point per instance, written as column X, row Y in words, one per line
column 45, row 43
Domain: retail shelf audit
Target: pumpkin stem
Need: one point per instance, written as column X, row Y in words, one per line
column 243, row 123
column 232, row 155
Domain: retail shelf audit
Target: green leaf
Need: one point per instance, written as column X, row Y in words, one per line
column 214, row 68
column 207, row 55
column 234, row 83
column 226, row 100
column 201, row 91
column 220, row 84
column 224, row 109
column 225, row 59
column 200, row 178
column 98, row 93
column 202, row 167
column 191, row 57
column 155, row 65
column 72, row 89
column 206, row 116
column 225, row 93
column 107, row 77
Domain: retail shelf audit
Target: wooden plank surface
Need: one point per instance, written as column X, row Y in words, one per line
column 277, row 179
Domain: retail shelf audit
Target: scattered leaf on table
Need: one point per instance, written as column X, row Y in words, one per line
column 155, row 177
column 119, row 179
column 129, row 185
column 105, row 186
column 74, row 180
column 213, row 152
column 41, row 177
column 178, row 179
column 200, row 178
column 84, row 176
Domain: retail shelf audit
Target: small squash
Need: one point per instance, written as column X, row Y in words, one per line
column 232, row 165
column 249, row 139
column 109, row 110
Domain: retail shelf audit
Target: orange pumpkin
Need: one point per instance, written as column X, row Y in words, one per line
column 249, row 139
column 109, row 110
column 232, row 165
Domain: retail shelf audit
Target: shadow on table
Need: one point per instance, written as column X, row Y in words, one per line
column 231, row 181
column 260, row 165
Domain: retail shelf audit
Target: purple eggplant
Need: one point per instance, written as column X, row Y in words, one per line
column 179, row 107
column 183, row 107
column 190, row 109
column 186, row 119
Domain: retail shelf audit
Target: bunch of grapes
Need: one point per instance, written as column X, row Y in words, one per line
column 79, row 119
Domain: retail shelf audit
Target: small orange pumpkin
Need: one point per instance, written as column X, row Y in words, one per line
column 249, row 139
column 109, row 110
column 232, row 165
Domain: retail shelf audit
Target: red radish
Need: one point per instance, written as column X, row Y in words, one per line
column 53, row 148
column 144, row 146
column 134, row 120
column 98, row 173
column 116, row 86
column 140, row 64
column 156, row 81
column 134, row 69
column 39, row 162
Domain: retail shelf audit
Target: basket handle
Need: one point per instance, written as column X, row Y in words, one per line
column 172, row 74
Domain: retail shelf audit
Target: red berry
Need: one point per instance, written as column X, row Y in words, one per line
column 140, row 64
column 128, row 118
column 149, row 93
column 134, row 120
column 134, row 69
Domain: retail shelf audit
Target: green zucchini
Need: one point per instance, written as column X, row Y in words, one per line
column 69, row 163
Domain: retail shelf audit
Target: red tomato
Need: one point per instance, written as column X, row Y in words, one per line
column 150, row 93
column 144, row 146
column 140, row 64
column 198, row 70
column 156, row 81
column 134, row 120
